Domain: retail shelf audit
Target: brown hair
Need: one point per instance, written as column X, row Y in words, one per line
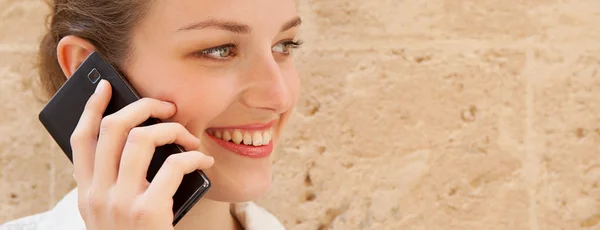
column 107, row 24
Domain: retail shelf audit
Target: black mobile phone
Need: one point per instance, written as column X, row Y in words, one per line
column 61, row 115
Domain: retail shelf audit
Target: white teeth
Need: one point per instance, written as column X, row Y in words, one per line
column 237, row 137
column 256, row 138
column 226, row 136
column 247, row 139
column 266, row 137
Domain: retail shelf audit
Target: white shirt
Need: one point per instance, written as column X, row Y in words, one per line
column 65, row 216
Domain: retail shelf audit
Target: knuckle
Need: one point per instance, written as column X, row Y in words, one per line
column 179, row 127
column 76, row 137
column 137, row 135
column 173, row 162
column 118, row 207
column 146, row 100
column 151, row 105
column 142, row 214
column 147, row 103
column 175, row 127
column 109, row 122
column 96, row 202
column 82, row 204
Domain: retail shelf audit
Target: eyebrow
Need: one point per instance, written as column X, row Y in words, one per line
column 235, row 27
column 291, row 24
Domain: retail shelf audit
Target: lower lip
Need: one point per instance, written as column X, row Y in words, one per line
column 245, row 150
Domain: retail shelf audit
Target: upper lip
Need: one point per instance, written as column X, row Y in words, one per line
column 253, row 126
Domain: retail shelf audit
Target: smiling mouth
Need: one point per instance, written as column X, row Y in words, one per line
column 254, row 141
column 249, row 138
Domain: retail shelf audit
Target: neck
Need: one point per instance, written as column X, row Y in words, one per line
column 209, row 214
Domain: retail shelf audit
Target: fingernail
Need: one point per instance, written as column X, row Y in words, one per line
column 100, row 86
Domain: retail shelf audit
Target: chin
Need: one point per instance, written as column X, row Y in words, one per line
column 236, row 182
column 235, row 177
column 242, row 171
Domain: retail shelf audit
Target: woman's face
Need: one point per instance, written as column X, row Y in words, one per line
column 227, row 66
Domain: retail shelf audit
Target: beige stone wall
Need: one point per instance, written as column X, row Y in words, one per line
column 438, row 114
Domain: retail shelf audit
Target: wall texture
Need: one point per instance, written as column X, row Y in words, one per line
column 438, row 114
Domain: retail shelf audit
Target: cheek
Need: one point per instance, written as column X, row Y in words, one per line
column 293, row 81
column 199, row 105
column 198, row 100
column 201, row 102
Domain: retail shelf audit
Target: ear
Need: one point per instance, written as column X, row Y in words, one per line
column 71, row 52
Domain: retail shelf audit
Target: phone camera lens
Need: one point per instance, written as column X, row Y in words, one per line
column 94, row 76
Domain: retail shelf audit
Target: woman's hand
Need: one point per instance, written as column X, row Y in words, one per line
column 111, row 157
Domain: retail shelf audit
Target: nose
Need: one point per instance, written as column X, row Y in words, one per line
column 267, row 88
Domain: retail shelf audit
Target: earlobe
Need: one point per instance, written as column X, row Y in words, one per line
column 71, row 52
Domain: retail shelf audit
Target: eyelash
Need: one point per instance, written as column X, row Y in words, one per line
column 206, row 53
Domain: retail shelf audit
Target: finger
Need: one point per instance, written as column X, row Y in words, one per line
column 169, row 176
column 140, row 147
column 114, row 130
column 84, row 137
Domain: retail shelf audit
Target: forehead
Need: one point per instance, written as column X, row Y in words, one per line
column 167, row 16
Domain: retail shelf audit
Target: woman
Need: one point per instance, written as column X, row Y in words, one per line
column 219, row 73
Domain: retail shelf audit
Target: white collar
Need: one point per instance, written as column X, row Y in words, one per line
column 65, row 216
